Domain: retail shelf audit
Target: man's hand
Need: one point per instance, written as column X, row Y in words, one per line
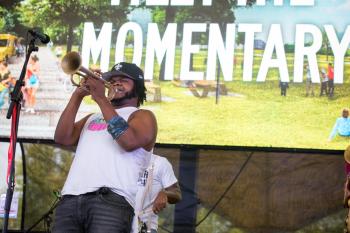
column 96, row 88
column 82, row 90
column 160, row 202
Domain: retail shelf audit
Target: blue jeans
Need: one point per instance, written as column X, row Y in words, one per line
column 102, row 211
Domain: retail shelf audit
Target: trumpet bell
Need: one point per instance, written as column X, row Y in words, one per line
column 71, row 63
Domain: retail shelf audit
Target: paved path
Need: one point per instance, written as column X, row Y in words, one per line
column 52, row 96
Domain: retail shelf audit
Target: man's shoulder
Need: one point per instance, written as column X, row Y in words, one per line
column 143, row 113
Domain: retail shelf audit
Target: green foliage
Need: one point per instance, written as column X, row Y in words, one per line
column 47, row 169
column 2, row 19
column 289, row 48
column 240, row 39
column 330, row 224
column 9, row 4
column 158, row 15
column 8, row 20
column 63, row 17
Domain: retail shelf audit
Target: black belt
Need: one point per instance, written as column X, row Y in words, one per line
column 102, row 190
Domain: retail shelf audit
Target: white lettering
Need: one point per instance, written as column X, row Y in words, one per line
column 207, row 2
column 274, row 41
column 250, row 30
column 310, row 52
column 182, row 2
column 157, row 2
column 98, row 46
column 339, row 50
column 302, row 2
column 160, row 47
column 121, row 39
column 188, row 49
column 217, row 48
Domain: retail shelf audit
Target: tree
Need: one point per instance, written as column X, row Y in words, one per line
column 65, row 16
column 9, row 17
column 240, row 38
column 2, row 19
column 47, row 169
column 325, row 43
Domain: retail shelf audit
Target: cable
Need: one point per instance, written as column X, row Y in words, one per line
column 227, row 189
column 165, row 229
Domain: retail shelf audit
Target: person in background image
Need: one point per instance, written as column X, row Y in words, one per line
column 309, row 84
column 157, row 186
column 5, row 82
column 58, row 51
column 32, row 83
column 330, row 74
column 283, row 86
column 324, row 82
column 19, row 48
column 341, row 126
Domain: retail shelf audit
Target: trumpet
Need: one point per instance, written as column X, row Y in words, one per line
column 71, row 65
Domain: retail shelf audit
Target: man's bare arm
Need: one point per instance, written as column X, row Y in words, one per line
column 173, row 193
column 170, row 195
column 68, row 131
column 142, row 124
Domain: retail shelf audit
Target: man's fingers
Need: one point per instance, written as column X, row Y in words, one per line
column 158, row 207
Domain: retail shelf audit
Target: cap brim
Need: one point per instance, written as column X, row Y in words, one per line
column 110, row 74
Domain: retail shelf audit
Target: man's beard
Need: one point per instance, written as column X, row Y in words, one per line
column 119, row 101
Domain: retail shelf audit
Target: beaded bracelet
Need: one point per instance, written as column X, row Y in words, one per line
column 117, row 126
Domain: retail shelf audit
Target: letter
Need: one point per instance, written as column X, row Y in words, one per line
column 310, row 52
column 250, row 30
column 207, row 2
column 157, row 2
column 160, row 47
column 115, row 2
column 339, row 50
column 302, row 3
column 182, row 2
column 217, row 48
column 188, row 49
column 260, row 2
column 98, row 46
column 274, row 42
column 121, row 39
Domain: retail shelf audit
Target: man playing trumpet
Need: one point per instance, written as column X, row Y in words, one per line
column 113, row 148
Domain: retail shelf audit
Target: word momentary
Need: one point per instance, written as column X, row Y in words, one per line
column 162, row 46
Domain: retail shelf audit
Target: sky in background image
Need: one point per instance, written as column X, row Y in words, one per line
column 334, row 12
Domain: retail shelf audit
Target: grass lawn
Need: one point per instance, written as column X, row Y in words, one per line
column 258, row 117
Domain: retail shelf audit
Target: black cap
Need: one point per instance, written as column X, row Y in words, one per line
column 129, row 70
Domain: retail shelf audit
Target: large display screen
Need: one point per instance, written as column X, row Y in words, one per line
column 234, row 73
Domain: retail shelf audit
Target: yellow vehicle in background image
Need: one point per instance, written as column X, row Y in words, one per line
column 7, row 46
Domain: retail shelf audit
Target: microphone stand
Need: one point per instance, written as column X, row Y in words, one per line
column 14, row 111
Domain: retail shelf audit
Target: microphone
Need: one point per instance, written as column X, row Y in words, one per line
column 41, row 36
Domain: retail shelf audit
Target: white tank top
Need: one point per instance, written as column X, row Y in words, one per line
column 100, row 162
